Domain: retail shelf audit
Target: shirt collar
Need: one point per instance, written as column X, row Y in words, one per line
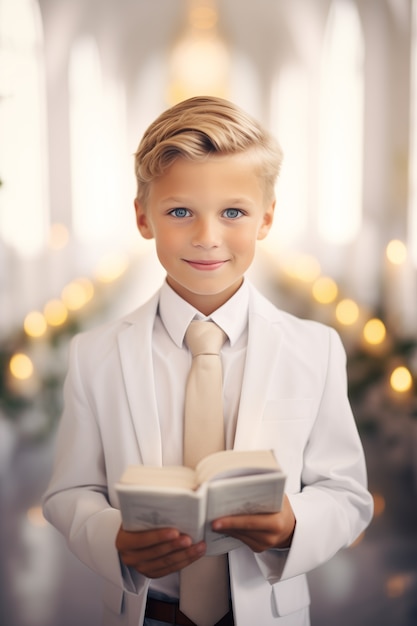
column 176, row 314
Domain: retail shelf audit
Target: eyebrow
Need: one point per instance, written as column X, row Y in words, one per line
column 239, row 200
column 177, row 199
column 228, row 203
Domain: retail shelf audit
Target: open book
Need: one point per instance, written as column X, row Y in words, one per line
column 230, row 482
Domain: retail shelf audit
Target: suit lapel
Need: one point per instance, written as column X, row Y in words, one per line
column 135, row 348
column 264, row 340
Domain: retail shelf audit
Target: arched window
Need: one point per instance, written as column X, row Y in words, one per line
column 341, row 125
column 413, row 141
column 291, row 102
column 99, row 164
column 24, row 210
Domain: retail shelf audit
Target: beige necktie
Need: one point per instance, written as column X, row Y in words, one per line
column 204, row 584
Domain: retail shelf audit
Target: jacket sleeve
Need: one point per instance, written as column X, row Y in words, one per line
column 76, row 501
column 333, row 506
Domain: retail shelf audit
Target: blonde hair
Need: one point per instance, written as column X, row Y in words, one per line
column 200, row 127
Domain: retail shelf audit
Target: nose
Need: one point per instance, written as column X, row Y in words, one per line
column 206, row 233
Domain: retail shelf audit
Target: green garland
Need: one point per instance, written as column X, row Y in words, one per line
column 365, row 367
column 19, row 405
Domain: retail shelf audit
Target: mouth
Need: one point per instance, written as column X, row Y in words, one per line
column 208, row 265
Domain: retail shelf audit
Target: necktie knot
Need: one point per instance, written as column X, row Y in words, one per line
column 204, row 338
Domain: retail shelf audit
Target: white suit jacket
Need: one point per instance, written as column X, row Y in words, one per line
column 293, row 400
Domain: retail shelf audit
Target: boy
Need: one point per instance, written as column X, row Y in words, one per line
column 206, row 173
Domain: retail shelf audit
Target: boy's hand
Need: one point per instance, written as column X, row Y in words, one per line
column 260, row 532
column 158, row 552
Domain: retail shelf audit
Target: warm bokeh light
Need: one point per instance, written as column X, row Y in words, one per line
column 303, row 267
column 21, row 366
column 111, row 267
column 401, row 379
column 87, row 286
column 396, row 252
column 35, row 324
column 187, row 59
column 374, row 331
column 203, row 17
column 347, row 312
column 325, row 290
column 55, row 312
column 200, row 46
column 397, row 585
column 379, row 504
column 77, row 293
column 58, row 236
column 358, row 540
column 35, row 517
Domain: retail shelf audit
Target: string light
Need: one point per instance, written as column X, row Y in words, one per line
column 55, row 312
column 77, row 294
column 347, row 312
column 35, row 324
column 374, row 331
column 110, row 268
column 325, row 290
column 396, row 252
column 304, row 267
column 21, row 366
column 401, row 379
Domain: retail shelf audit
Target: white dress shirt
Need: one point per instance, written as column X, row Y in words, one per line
column 172, row 361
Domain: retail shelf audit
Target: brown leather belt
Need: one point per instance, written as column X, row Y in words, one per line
column 169, row 613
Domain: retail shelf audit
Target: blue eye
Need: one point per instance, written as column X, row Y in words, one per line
column 180, row 212
column 232, row 214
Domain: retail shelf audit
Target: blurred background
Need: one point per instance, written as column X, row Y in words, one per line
column 336, row 82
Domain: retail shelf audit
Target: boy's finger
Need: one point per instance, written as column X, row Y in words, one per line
column 172, row 562
column 127, row 540
column 262, row 522
column 161, row 550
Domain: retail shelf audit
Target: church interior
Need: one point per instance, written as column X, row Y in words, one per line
column 336, row 83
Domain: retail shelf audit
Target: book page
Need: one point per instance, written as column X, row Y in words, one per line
column 144, row 508
column 235, row 463
column 245, row 495
column 167, row 476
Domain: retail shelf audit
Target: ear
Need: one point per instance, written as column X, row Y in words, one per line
column 142, row 221
column 267, row 220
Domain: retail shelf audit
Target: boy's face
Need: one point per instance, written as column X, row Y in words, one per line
column 206, row 218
